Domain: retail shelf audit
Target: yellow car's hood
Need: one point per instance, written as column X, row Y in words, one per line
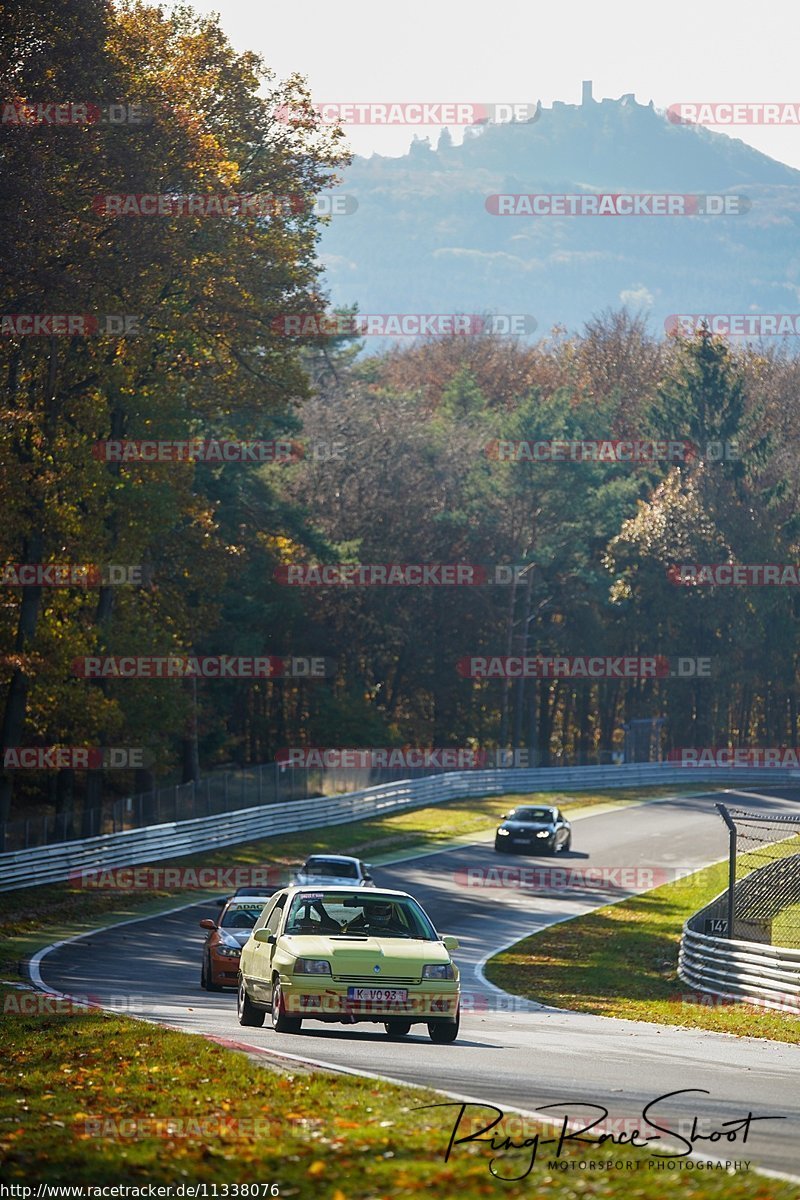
column 359, row 956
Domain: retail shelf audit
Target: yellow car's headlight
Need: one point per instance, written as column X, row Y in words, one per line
column 438, row 971
column 312, row 966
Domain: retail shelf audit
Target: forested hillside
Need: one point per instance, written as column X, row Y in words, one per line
column 424, row 236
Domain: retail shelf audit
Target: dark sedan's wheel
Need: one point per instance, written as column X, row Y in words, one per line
column 444, row 1032
column 567, row 844
column 206, row 978
column 397, row 1029
column 247, row 1013
column 282, row 1023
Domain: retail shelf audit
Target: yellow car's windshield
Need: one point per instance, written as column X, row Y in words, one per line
column 334, row 914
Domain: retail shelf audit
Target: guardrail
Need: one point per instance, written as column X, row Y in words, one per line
column 221, row 792
column 57, row 862
column 737, row 970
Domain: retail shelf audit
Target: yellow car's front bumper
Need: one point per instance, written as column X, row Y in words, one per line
column 321, row 999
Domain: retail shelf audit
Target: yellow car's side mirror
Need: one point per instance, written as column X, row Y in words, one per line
column 264, row 935
column 449, row 942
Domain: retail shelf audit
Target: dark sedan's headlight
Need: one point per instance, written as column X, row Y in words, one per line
column 503, row 832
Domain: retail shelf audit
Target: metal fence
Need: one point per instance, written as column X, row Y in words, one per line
column 762, row 902
column 48, row 864
column 745, row 944
column 223, row 791
column 227, row 791
column 153, row 843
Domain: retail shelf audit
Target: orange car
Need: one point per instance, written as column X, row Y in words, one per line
column 222, row 947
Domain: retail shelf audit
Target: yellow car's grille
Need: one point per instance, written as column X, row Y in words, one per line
column 375, row 980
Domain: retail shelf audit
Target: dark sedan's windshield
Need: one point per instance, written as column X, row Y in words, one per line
column 532, row 814
column 336, row 869
column 354, row 915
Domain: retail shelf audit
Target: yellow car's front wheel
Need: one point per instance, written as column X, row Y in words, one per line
column 444, row 1032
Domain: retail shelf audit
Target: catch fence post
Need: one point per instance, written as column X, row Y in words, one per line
column 723, row 812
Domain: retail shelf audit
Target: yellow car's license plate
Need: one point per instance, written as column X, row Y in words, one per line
column 386, row 995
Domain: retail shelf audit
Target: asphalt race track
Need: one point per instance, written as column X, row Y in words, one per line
column 511, row 1054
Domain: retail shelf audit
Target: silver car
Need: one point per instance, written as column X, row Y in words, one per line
column 334, row 870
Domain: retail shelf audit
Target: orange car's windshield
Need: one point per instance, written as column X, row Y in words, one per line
column 241, row 916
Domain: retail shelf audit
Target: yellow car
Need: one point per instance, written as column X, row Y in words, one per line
column 348, row 955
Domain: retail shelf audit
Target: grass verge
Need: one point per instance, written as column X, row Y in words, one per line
column 91, row 1098
column 621, row 961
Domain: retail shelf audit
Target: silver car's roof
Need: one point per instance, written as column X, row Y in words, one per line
column 343, row 858
column 368, row 893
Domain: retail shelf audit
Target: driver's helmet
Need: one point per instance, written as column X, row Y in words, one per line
column 379, row 911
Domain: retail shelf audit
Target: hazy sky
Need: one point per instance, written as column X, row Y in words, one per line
column 516, row 51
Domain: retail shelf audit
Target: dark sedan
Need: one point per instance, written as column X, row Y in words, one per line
column 533, row 830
